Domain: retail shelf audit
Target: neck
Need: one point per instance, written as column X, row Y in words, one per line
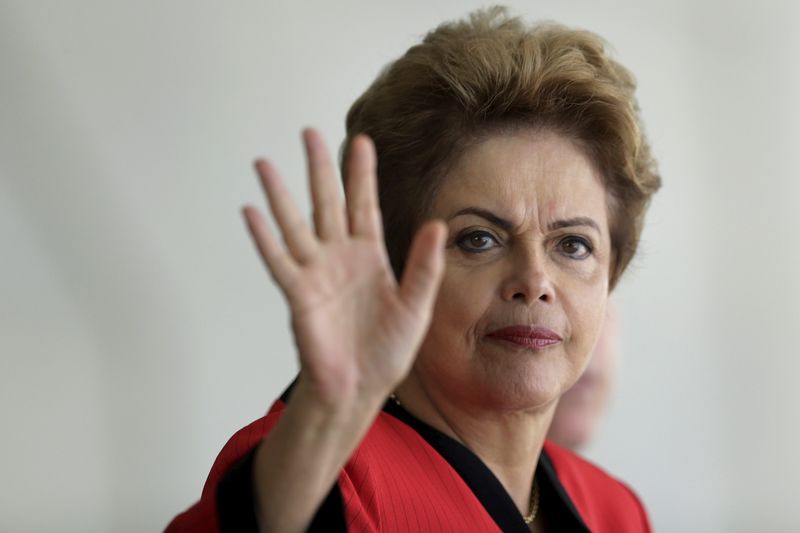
column 509, row 442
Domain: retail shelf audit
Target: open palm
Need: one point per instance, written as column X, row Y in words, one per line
column 357, row 330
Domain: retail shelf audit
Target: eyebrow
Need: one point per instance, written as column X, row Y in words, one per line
column 575, row 221
column 508, row 226
column 484, row 213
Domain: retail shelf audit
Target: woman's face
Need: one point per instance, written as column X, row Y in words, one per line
column 525, row 288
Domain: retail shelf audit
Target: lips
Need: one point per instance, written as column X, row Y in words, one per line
column 534, row 337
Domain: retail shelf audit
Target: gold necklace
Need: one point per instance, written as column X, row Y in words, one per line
column 530, row 517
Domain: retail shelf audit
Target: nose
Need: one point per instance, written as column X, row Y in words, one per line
column 528, row 279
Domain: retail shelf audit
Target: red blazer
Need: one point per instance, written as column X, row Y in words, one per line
column 406, row 476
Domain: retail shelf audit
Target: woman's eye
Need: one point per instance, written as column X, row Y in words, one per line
column 575, row 247
column 476, row 241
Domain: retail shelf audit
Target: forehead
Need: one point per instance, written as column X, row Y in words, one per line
column 525, row 174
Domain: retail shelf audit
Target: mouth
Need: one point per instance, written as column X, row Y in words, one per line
column 533, row 337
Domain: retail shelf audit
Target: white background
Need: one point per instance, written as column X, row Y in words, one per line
column 138, row 330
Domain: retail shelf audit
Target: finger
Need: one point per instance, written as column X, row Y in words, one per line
column 279, row 263
column 424, row 268
column 362, row 190
column 298, row 237
column 329, row 213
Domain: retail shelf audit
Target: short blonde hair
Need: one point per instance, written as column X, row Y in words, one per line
column 492, row 73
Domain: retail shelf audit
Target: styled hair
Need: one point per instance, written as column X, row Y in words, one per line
column 493, row 73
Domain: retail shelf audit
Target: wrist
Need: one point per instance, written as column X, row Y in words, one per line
column 348, row 396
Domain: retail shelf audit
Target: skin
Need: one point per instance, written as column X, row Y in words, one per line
column 361, row 334
column 494, row 396
column 582, row 407
column 357, row 329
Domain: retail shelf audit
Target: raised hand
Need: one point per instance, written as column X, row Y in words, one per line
column 356, row 329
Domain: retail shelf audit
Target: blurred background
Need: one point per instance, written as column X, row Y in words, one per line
column 138, row 329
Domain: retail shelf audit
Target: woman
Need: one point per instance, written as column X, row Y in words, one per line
column 499, row 173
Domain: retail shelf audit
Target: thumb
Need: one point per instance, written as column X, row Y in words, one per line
column 424, row 268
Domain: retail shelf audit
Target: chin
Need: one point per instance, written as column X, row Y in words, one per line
column 530, row 387
column 525, row 378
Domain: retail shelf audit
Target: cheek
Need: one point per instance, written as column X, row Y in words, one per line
column 587, row 320
column 584, row 304
column 460, row 306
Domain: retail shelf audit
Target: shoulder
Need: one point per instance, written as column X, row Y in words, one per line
column 242, row 442
column 604, row 502
column 204, row 514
